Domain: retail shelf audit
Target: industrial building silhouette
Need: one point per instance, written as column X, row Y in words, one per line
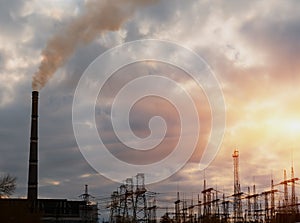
column 35, row 210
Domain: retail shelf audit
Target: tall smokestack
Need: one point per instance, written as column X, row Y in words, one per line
column 32, row 193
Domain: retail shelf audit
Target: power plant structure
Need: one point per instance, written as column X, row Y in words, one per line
column 32, row 189
column 132, row 202
column 278, row 204
column 35, row 210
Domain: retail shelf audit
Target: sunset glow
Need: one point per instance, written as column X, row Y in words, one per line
column 251, row 47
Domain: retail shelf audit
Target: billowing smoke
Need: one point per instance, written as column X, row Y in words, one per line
column 99, row 16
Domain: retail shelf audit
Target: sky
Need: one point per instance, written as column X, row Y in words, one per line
column 252, row 47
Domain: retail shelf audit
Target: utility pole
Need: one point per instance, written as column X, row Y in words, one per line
column 177, row 209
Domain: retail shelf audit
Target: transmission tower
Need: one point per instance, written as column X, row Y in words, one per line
column 177, row 209
column 129, row 197
column 90, row 205
column 199, row 209
column 237, row 203
column 123, row 206
column 115, row 208
column 140, row 199
column 256, row 208
column 285, row 187
column 86, row 196
column 249, row 211
column 273, row 199
column 294, row 199
column 225, row 207
column 151, row 207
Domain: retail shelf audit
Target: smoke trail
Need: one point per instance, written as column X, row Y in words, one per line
column 99, row 16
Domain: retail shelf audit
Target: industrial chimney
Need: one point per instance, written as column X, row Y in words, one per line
column 32, row 192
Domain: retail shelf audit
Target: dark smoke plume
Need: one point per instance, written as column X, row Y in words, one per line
column 99, row 16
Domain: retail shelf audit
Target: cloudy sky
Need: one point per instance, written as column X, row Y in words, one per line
column 253, row 48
